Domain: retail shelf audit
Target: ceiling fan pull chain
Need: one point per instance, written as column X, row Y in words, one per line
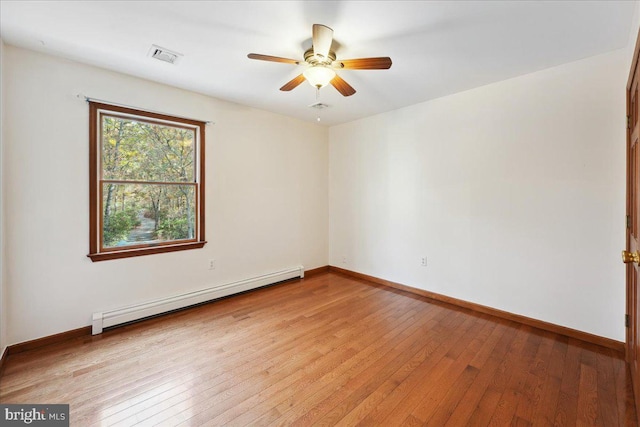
column 317, row 93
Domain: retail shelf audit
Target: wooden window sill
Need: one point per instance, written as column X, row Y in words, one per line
column 104, row 256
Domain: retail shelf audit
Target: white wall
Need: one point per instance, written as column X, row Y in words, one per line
column 266, row 206
column 633, row 33
column 514, row 191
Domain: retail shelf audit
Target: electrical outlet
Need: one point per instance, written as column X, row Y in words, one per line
column 212, row 264
column 423, row 261
column 344, row 259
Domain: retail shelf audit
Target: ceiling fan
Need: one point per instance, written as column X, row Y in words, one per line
column 321, row 63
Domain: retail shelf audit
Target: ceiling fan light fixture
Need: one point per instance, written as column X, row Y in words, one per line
column 319, row 75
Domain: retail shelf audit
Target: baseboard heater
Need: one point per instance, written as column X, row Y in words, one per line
column 107, row 319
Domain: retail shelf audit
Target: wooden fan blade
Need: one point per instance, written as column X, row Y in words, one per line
column 322, row 39
column 343, row 87
column 292, row 84
column 272, row 58
column 381, row 63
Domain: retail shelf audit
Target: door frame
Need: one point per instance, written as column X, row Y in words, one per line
column 633, row 323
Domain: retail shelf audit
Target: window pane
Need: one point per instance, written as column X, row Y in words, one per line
column 141, row 151
column 137, row 214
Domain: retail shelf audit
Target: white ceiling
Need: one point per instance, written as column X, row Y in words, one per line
column 437, row 47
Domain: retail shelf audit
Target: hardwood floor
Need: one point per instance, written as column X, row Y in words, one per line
column 327, row 350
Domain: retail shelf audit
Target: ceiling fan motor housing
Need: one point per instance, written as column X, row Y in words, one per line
column 311, row 59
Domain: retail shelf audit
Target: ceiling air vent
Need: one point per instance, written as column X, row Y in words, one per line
column 319, row 106
column 164, row 54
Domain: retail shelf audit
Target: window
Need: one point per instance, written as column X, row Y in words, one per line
column 146, row 183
